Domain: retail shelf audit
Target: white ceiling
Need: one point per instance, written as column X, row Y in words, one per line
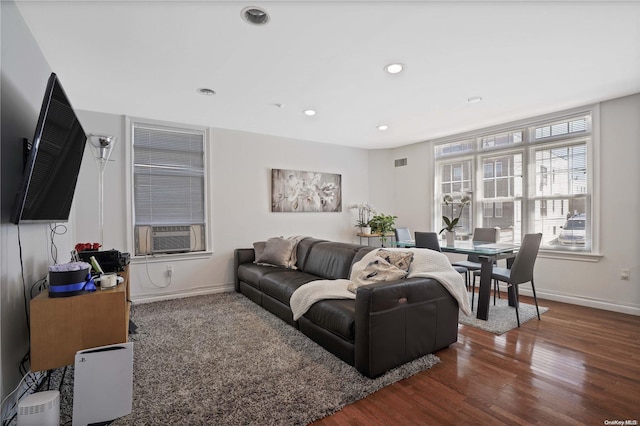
column 148, row 58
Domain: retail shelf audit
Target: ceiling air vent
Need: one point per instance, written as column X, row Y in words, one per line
column 401, row 162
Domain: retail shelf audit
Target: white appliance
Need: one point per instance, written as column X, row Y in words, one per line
column 102, row 384
column 40, row 409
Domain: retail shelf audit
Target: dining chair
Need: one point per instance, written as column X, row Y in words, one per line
column 489, row 235
column 403, row 234
column 521, row 270
column 429, row 240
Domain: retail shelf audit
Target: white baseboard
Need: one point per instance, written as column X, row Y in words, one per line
column 148, row 298
column 572, row 299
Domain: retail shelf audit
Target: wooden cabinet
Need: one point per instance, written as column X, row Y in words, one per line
column 62, row 326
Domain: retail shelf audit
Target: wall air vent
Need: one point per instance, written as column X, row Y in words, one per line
column 401, row 162
column 170, row 239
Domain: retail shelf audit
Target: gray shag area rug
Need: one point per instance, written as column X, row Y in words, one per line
column 222, row 359
column 502, row 317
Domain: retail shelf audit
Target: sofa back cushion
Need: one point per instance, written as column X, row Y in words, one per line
column 330, row 260
column 303, row 250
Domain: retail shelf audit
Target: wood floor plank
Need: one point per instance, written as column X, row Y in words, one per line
column 577, row 365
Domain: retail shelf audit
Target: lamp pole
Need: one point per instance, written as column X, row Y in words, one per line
column 103, row 146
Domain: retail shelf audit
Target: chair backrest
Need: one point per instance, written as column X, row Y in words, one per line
column 522, row 268
column 489, row 235
column 403, row 234
column 428, row 240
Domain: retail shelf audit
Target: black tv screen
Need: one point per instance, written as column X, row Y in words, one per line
column 52, row 165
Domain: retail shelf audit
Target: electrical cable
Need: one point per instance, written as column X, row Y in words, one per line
column 24, row 287
column 53, row 232
column 146, row 264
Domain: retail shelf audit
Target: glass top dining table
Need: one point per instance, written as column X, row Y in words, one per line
column 488, row 253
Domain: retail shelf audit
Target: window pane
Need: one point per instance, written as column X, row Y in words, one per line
column 453, row 148
column 562, row 128
column 568, row 170
column 501, row 139
column 503, row 216
column 564, row 226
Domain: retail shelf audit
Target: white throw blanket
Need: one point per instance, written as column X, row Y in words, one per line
column 308, row 294
column 426, row 264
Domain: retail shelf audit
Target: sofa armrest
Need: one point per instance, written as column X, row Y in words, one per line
column 399, row 321
column 240, row 256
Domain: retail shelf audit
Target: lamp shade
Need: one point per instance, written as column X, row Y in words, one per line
column 102, row 146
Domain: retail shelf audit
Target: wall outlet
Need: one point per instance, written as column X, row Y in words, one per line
column 169, row 270
column 624, row 274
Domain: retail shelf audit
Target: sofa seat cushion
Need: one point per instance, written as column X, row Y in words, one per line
column 251, row 273
column 336, row 316
column 281, row 285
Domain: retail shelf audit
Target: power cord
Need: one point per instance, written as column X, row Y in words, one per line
column 146, row 264
column 53, row 232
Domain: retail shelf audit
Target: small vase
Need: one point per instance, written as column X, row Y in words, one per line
column 365, row 230
column 450, row 236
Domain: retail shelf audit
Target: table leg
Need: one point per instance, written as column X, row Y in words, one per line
column 485, row 288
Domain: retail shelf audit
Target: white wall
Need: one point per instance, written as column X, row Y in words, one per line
column 24, row 75
column 594, row 284
column 240, row 192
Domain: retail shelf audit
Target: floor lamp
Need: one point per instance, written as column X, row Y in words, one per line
column 102, row 146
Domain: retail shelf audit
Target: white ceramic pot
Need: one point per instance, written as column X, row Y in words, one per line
column 450, row 236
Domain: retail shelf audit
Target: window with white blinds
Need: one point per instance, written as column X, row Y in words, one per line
column 169, row 189
column 536, row 178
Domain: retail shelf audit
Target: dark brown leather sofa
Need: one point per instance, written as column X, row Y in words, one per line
column 387, row 325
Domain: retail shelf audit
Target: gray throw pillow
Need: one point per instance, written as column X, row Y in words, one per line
column 258, row 249
column 277, row 252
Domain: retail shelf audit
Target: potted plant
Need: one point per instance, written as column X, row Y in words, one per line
column 383, row 224
column 365, row 211
column 451, row 223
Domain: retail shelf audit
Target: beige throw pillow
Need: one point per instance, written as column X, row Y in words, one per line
column 277, row 252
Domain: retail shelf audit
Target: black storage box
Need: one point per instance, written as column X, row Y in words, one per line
column 109, row 260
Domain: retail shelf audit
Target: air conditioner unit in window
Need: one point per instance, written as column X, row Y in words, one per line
column 170, row 239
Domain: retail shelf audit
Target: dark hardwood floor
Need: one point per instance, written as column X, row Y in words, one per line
column 577, row 366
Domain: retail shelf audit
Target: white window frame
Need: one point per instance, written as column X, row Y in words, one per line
column 527, row 145
column 162, row 257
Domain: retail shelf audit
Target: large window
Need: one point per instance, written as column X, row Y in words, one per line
column 535, row 178
column 169, row 189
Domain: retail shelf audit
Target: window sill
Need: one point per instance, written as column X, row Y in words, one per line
column 157, row 258
column 568, row 255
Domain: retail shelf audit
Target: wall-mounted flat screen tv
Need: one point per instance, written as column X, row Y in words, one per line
column 53, row 162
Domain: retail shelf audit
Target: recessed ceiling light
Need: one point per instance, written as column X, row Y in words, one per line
column 474, row 99
column 382, row 127
column 394, row 68
column 255, row 15
column 206, row 92
column 309, row 112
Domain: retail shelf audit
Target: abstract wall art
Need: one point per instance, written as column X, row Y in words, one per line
column 298, row 191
